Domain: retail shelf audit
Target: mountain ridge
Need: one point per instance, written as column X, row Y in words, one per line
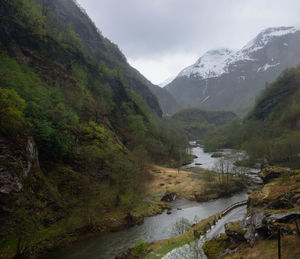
column 216, row 76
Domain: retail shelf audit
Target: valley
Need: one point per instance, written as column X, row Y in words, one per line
column 96, row 161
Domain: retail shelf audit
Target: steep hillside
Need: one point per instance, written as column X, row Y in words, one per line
column 197, row 122
column 271, row 130
column 167, row 102
column 78, row 127
column 225, row 79
column 68, row 13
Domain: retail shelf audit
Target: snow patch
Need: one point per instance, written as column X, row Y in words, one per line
column 266, row 66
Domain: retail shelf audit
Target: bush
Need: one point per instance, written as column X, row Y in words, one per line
column 139, row 249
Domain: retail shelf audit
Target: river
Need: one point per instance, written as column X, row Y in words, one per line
column 154, row 228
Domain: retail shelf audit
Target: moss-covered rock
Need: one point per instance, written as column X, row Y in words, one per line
column 235, row 231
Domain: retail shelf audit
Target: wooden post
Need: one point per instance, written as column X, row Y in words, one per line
column 279, row 252
column 297, row 227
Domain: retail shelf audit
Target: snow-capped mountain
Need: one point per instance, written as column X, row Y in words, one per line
column 230, row 79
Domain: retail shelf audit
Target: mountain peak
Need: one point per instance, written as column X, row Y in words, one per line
column 265, row 36
column 217, row 62
column 212, row 64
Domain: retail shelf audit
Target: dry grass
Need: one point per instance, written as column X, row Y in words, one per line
column 267, row 249
column 170, row 180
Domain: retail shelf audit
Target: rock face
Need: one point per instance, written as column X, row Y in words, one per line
column 16, row 161
column 225, row 79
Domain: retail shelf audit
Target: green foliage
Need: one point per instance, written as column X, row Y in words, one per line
column 139, row 249
column 198, row 123
column 24, row 228
column 11, row 111
column 69, row 38
column 29, row 13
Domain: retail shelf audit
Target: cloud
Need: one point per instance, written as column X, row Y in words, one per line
column 156, row 33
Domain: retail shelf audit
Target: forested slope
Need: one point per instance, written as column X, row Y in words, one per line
column 78, row 126
column 271, row 130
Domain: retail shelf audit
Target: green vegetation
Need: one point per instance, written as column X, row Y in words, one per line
column 197, row 123
column 271, row 130
column 140, row 249
column 96, row 125
column 215, row 246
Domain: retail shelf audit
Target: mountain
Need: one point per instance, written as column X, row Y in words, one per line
column 167, row 102
column 226, row 79
column 78, row 125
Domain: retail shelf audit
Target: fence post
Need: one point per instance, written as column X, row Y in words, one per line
column 297, row 227
column 279, row 252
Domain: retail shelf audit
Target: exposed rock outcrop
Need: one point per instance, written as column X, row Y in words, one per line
column 270, row 173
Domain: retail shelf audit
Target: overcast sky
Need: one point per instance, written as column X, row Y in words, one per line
column 161, row 37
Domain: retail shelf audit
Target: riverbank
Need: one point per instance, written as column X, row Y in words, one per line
column 272, row 208
column 276, row 205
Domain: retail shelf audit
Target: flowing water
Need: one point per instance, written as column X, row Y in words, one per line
column 194, row 250
column 155, row 228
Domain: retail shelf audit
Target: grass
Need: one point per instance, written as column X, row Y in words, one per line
column 276, row 188
column 205, row 186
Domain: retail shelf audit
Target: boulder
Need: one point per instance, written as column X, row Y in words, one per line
column 284, row 217
column 169, row 196
column 217, row 154
column 254, row 225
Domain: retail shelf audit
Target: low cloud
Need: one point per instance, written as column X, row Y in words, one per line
column 159, row 37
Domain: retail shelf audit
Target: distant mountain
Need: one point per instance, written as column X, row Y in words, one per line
column 226, row 79
column 167, row 81
column 166, row 100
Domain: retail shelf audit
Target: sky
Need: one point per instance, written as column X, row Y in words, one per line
column 161, row 37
